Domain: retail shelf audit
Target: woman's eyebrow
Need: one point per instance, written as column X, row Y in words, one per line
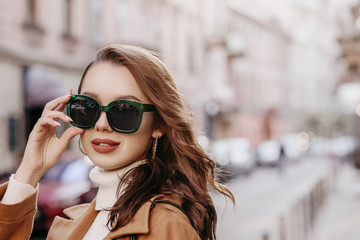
column 91, row 94
column 96, row 96
column 129, row 97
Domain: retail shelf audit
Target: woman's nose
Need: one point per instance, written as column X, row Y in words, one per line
column 102, row 123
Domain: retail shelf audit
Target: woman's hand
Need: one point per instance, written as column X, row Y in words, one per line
column 43, row 148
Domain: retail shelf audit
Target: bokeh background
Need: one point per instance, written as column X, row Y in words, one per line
column 274, row 87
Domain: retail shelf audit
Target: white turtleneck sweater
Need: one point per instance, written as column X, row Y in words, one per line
column 106, row 197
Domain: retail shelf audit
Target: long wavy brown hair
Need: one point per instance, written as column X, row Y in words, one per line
column 181, row 166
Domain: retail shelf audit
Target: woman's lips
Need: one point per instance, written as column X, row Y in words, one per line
column 104, row 145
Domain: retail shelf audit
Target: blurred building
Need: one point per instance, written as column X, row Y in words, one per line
column 315, row 67
column 280, row 67
column 250, row 68
column 348, row 87
column 252, row 56
column 45, row 45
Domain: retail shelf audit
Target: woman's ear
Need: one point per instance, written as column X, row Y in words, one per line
column 157, row 133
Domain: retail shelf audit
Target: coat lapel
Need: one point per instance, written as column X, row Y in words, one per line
column 138, row 225
column 81, row 218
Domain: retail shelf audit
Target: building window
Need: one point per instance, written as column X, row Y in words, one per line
column 68, row 18
column 96, row 22
column 141, row 21
column 31, row 12
column 122, row 19
column 31, row 18
column 157, row 22
column 191, row 57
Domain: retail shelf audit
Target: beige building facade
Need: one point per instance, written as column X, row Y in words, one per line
column 247, row 68
column 45, row 45
column 281, row 62
column 247, row 59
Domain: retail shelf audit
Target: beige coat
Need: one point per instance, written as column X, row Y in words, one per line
column 163, row 222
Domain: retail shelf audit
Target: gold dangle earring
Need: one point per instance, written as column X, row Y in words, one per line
column 155, row 143
column 81, row 148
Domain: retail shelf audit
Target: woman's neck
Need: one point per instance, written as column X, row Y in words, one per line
column 108, row 182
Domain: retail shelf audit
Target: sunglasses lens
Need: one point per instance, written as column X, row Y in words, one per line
column 83, row 112
column 124, row 116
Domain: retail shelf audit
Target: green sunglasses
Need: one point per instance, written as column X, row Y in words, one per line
column 123, row 116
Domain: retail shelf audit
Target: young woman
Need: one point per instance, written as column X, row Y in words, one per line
column 152, row 174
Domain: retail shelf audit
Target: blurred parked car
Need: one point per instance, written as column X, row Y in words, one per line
column 268, row 153
column 219, row 151
column 344, row 146
column 341, row 146
column 63, row 186
column 234, row 155
column 320, row 146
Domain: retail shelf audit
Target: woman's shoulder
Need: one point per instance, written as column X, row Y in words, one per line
column 159, row 218
column 167, row 217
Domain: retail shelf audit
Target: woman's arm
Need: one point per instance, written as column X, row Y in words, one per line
column 16, row 220
column 44, row 149
column 16, row 191
column 42, row 152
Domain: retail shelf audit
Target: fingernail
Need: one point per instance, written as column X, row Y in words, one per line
column 69, row 118
column 57, row 123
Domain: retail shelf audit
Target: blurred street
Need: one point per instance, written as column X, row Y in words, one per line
column 268, row 194
column 341, row 218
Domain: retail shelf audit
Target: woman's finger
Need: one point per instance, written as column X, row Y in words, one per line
column 57, row 116
column 69, row 134
column 44, row 125
column 57, row 101
column 43, row 122
column 61, row 107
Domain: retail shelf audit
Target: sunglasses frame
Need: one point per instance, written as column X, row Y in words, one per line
column 142, row 107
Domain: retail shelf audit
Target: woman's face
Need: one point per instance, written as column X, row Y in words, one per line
column 106, row 148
